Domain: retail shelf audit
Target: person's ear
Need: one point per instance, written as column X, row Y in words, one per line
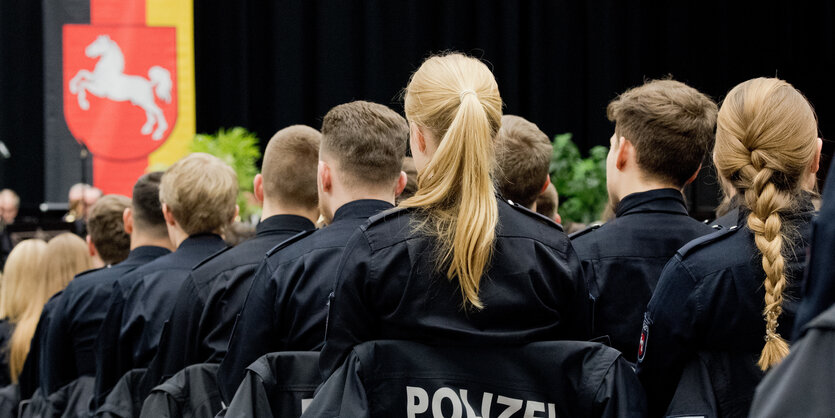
column 127, row 220
column 558, row 218
column 624, row 152
column 401, row 183
column 816, row 162
column 324, row 177
column 237, row 212
column 168, row 215
column 91, row 249
column 416, row 134
column 693, row 177
column 545, row 185
column 258, row 187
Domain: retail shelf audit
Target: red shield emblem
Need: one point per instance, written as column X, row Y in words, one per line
column 120, row 95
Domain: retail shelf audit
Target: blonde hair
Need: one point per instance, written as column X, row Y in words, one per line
column 65, row 256
column 765, row 143
column 20, row 279
column 456, row 99
column 200, row 190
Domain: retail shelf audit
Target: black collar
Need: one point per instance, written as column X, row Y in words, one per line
column 658, row 200
column 142, row 254
column 283, row 223
column 361, row 209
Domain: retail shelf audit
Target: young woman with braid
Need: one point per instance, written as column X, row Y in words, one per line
column 731, row 296
column 454, row 264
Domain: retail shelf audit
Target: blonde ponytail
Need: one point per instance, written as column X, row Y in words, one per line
column 765, row 142
column 456, row 99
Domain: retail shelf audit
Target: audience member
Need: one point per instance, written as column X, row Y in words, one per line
column 65, row 256
column 80, row 198
column 68, row 348
column 212, row 296
column 9, row 205
column 548, row 202
column 359, row 175
column 198, row 195
column 523, row 154
column 663, row 132
column 23, row 273
column 710, row 295
column 420, row 272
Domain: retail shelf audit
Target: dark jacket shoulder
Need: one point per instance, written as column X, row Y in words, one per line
column 289, row 241
column 691, row 247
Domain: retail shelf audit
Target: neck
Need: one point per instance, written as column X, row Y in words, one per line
column 347, row 196
column 638, row 184
column 139, row 239
column 176, row 235
column 97, row 262
column 276, row 208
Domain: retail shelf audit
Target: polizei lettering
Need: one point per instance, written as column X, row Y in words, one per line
column 457, row 404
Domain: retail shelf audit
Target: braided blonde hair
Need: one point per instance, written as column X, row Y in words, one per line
column 456, row 98
column 766, row 140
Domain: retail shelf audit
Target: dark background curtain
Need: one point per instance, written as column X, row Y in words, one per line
column 268, row 64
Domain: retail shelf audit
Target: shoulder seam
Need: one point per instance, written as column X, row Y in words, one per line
column 704, row 240
column 288, row 241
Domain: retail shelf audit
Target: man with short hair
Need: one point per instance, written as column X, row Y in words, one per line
column 9, row 205
column 359, row 175
column 663, row 131
column 116, row 225
column 523, row 154
column 198, row 195
column 213, row 294
column 106, row 237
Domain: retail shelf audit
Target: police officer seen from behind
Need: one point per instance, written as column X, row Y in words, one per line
column 732, row 295
column 454, row 264
column 198, row 195
column 663, row 132
column 68, row 345
column 523, row 154
column 359, row 175
column 213, row 294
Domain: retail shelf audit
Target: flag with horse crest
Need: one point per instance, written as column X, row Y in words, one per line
column 126, row 96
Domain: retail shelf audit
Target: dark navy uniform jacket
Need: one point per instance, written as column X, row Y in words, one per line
column 211, row 299
column 68, row 348
column 388, row 288
column 286, row 307
column 819, row 287
column 131, row 330
column 710, row 298
column 6, row 330
column 623, row 258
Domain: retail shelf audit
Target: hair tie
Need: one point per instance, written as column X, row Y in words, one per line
column 466, row 92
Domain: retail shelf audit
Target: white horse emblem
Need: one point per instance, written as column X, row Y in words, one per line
column 109, row 81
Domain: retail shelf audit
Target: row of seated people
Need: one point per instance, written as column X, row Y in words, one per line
column 463, row 268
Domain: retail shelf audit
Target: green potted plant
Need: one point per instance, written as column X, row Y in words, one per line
column 580, row 182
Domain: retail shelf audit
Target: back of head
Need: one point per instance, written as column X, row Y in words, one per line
column 523, row 153
column 146, row 207
column 456, row 99
column 65, row 256
column 9, row 205
column 671, row 126
column 289, row 168
column 107, row 229
column 21, row 276
column 766, row 141
column 367, row 141
column 201, row 191
column 548, row 201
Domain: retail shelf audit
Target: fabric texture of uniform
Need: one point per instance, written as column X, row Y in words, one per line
column 710, row 298
column 623, row 259
column 133, row 325
column 211, row 299
column 801, row 385
column 546, row 379
column 388, row 288
column 71, row 400
column 123, row 401
column 68, row 351
column 819, row 286
column 9, row 401
column 191, row 393
column 286, row 307
column 277, row 385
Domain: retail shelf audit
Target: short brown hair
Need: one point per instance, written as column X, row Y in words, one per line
column 107, row 229
column 147, row 210
column 523, row 154
column 367, row 139
column 670, row 124
column 290, row 164
column 200, row 190
column 548, row 201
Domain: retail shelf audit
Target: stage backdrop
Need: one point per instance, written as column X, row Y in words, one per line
column 119, row 90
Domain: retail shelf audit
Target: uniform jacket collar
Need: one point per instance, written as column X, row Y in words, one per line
column 283, row 223
column 362, row 209
column 658, row 200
